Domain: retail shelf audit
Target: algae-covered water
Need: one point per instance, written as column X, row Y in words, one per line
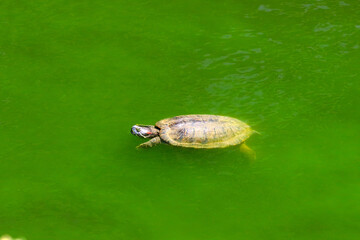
column 76, row 75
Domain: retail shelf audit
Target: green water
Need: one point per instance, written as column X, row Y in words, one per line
column 76, row 75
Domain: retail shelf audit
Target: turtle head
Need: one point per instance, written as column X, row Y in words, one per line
column 144, row 131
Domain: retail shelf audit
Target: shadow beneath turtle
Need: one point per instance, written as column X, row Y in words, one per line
column 203, row 157
column 164, row 156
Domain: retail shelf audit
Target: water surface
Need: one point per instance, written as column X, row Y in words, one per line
column 76, row 75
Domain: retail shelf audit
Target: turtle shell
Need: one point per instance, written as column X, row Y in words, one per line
column 203, row 131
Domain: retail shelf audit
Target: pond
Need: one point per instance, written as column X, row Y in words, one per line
column 76, row 75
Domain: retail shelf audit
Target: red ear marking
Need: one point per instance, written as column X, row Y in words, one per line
column 148, row 133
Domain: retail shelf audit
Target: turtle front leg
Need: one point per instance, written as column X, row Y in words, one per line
column 154, row 141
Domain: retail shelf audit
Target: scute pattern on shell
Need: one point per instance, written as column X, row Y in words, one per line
column 203, row 131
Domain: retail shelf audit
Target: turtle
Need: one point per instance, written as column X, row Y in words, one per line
column 199, row 131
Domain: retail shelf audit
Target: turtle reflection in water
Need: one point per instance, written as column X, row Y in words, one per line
column 197, row 131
